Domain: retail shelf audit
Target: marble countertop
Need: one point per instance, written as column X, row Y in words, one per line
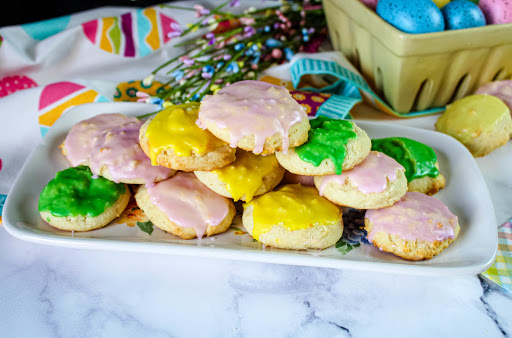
column 48, row 291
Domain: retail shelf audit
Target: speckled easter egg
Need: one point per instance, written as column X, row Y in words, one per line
column 419, row 16
column 496, row 11
column 370, row 3
column 460, row 14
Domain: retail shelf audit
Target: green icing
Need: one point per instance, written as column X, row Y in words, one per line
column 327, row 139
column 418, row 159
column 75, row 192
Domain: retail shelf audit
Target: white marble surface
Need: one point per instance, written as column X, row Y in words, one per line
column 48, row 291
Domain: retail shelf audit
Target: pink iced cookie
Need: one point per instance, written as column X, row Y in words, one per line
column 256, row 116
column 500, row 89
column 416, row 227
column 109, row 145
column 377, row 182
column 496, row 11
column 185, row 207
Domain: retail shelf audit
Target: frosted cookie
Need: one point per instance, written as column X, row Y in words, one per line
column 248, row 176
column 109, row 145
column 173, row 140
column 333, row 146
column 293, row 217
column 185, row 207
column 419, row 161
column 501, row 89
column 377, row 182
column 481, row 122
column 417, row 227
column 256, row 116
column 75, row 201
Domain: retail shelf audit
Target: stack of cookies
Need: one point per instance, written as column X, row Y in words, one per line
column 190, row 163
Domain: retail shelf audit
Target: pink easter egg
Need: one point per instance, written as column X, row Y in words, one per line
column 496, row 11
column 11, row 84
column 370, row 3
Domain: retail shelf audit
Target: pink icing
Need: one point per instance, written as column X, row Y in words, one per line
column 369, row 176
column 415, row 217
column 500, row 89
column 112, row 140
column 252, row 108
column 189, row 203
column 290, row 178
column 496, row 11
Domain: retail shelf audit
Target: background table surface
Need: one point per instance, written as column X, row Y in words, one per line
column 50, row 291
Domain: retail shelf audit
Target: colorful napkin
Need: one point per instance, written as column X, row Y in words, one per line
column 501, row 271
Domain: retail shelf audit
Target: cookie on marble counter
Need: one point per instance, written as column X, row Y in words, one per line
column 481, row 122
column 501, row 89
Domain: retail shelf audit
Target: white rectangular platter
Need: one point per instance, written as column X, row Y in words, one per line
column 465, row 194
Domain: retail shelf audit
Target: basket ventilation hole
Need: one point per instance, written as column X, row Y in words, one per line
column 356, row 61
column 501, row 75
column 379, row 82
column 337, row 40
column 424, row 95
column 462, row 88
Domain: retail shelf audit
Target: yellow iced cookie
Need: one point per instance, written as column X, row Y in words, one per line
column 173, row 140
column 481, row 122
column 293, row 217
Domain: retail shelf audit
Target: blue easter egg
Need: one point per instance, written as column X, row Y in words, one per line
column 418, row 16
column 460, row 14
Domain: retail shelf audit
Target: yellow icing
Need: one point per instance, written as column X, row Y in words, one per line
column 293, row 206
column 468, row 117
column 175, row 127
column 245, row 175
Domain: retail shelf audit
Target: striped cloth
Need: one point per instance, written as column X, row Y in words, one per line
column 501, row 271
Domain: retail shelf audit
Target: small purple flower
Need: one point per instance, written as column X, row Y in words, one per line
column 206, row 75
column 211, row 38
column 234, row 3
column 249, row 31
column 188, row 62
column 176, row 30
column 226, row 57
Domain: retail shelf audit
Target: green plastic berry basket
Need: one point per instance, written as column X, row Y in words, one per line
column 415, row 72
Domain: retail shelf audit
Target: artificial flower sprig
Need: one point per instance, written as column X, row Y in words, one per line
column 237, row 46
